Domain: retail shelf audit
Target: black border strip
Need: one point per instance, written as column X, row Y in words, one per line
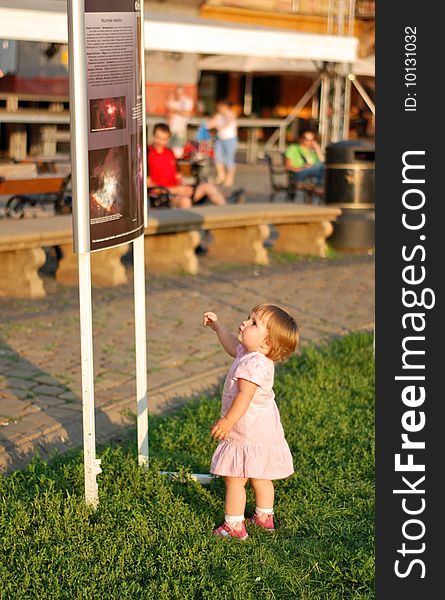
column 400, row 131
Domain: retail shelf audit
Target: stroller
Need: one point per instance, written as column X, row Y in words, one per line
column 200, row 151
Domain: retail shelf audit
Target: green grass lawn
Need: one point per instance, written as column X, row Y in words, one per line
column 150, row 537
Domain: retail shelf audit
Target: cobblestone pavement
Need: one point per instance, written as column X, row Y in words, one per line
column 40, row 404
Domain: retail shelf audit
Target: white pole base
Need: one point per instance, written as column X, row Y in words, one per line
column 203, row 479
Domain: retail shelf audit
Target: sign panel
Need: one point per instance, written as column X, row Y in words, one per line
column 115, row 121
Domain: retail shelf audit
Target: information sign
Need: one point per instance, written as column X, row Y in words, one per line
column 115, row 124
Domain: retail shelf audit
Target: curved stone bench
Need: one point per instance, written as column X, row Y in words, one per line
column 238, row 233
column 171, row 238
column 21, row 256
column 239, row 230
column 170, row 243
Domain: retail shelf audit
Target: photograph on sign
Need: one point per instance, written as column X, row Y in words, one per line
column 107, row 114
column 114, row 91
column 109, row 183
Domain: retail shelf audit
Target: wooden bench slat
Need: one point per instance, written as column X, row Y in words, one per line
column 35, row 185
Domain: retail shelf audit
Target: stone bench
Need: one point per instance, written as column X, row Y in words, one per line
column 238, row 233
column 171, row 239
column 21, row 256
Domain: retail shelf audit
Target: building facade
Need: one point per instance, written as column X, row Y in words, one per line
column 34, row 75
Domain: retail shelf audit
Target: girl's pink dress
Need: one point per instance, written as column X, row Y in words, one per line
column 256, row 446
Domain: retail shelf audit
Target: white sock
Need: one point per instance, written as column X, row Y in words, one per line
column 235, row 521
column 263, row 511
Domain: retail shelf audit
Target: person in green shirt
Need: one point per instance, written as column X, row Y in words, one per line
column 305, row 159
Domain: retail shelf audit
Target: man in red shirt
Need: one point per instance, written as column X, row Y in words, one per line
column 162, row 170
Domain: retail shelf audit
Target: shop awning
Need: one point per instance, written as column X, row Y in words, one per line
column 46, row 21
column 301, row 66
column 213, row 37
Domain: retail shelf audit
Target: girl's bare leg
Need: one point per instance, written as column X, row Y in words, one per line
column 235, row 501
column 264, row 494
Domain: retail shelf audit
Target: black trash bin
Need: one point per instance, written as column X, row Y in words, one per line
column 350, row 185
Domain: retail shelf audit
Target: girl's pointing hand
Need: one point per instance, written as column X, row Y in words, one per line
column 210, row 320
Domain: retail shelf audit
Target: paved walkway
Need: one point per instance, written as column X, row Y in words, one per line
column 40, row 405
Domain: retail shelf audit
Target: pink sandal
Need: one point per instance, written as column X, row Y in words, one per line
column 225, row 530
column 267, row 524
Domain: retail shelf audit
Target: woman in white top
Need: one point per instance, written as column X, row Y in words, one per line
column 224, row 121
column 179, row 109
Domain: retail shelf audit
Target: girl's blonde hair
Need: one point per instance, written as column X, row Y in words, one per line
column 282, row 331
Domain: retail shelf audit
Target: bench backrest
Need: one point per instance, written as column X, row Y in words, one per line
column 34, row 185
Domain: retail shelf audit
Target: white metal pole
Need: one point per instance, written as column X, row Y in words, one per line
column 91, row 465
column 351, row 13
column 141, row 349
column 347, row 107
column 323, row 125
column 79, row 126
column 79, row 167
column 337, row 112
column 139, row 291
column 363, row 93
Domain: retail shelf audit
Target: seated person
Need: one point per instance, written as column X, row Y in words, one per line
column 162, row 169
column 305, row 159
column 358, row 122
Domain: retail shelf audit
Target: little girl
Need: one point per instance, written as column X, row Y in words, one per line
column 252, row 443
